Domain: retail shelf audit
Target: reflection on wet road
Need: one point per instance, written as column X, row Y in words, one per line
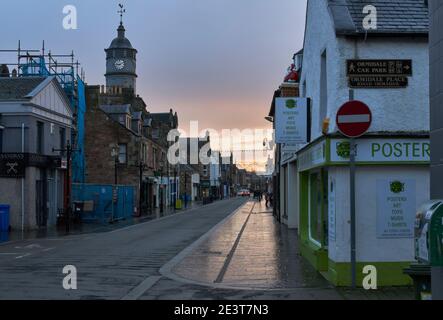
column 251, row 250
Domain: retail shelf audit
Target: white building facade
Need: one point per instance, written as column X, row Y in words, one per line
column 392, row 177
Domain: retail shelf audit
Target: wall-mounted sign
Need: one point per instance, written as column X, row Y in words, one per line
column 382, row 150
column 379, row 67
column 12, row 165
column 396, row 208
column 380, row 82
column 291, row 120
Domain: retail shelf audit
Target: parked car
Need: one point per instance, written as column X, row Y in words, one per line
column 244, row 193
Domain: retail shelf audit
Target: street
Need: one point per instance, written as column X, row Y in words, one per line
column 231, row 249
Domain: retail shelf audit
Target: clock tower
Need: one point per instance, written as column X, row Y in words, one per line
column 121, row 61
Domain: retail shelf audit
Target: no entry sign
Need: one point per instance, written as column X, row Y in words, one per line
column 354, row 119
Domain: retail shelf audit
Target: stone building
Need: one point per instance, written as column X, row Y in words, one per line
column 125, row 144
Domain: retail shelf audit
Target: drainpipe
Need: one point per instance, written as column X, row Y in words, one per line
column 23, row 182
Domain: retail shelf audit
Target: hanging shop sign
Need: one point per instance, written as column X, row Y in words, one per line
column 379, row 67
column 288, row 151
column 382, row 150
column 12, row 165
column 396, row 208
column 291, row 120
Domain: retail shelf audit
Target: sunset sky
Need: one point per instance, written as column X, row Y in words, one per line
column 215, row 61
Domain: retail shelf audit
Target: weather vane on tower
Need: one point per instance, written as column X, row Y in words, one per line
column 121, row 11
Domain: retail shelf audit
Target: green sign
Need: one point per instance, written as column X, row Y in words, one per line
column 382, row 150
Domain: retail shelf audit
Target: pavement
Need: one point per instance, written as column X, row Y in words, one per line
column 85, row 228
column 231, row 249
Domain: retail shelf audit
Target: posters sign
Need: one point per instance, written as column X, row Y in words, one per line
column 291, row 120
column 382, row 150
column 396, row 208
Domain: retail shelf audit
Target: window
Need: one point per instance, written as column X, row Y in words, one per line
column 40, row 137
column 323, row 88
column 62, row 139
column 128, row 122
column 318, row 207
column 122, row 153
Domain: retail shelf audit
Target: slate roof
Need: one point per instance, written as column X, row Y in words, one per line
column 18, row 88
column 117, row 108
column 394, row 17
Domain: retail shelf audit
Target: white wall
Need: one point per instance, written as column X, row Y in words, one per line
column 394, row 110
column 369, row 247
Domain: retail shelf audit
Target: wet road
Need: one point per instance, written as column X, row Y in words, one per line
column 111, row 265
column 231, row 249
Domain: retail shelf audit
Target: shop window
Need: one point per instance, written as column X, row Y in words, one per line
column 122, row 153
column 317, row 206
column 62, row 140
column 40, row 137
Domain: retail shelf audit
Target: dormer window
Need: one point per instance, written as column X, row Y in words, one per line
column 128, row 122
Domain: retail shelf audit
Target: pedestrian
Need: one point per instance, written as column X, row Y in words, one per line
column 267, row 199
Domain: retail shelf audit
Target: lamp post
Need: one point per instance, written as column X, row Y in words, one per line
column 114, row 154
column 175, row 187
column 141, row 167
column 186, row 189
column 69, row 152
column 161, row 188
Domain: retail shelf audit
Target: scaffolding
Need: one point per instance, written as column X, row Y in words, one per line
column 64, row 67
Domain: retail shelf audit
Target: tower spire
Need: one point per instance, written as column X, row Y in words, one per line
column 121, row 12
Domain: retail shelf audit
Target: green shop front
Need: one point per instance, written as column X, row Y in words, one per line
column 392, row 181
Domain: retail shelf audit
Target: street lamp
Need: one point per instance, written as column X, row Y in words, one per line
column 175, row 187
column 161, row 187
column 114, row 154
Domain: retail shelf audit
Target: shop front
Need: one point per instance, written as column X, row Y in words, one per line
column 392, row 180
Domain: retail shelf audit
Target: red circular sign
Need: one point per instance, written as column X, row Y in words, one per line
column 354, row 119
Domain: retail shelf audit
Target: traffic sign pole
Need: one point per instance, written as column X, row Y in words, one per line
column 353, row 220
column 352, row 198
column 354, row 119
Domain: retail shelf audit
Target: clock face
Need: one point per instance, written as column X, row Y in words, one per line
column 119, row 64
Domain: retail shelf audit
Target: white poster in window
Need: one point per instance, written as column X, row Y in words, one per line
column 396, row 208
column 332, row 211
